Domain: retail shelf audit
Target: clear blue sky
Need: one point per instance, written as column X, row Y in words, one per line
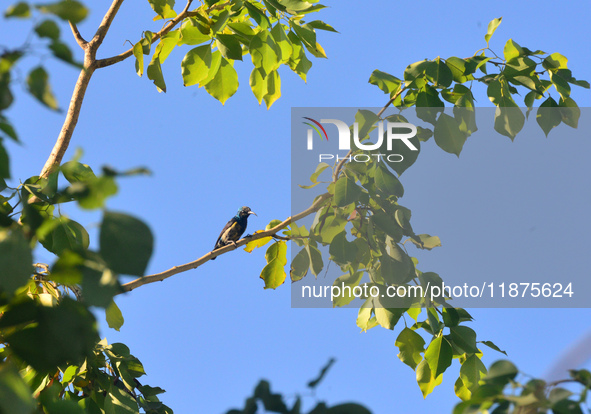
column 502, row 207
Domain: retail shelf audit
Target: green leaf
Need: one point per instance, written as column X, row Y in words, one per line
column 439, row 73
column 555, row 61
column 387, row 183
column 386, row 82
column 258, row 84
column 448, row 135
column 316, row 263
column 155, row 74
column 560, row 83
column 346, row 192
column 38, row 84
column 70, row 10
column 118, row 401
column 192, row 32
column 15, row 260
column 274, row 272
column 500, row 372
column 387, row 317
column 570, row 112
column 16, row 395
column 438, row 355
column 425, row 378
column 258, row 16
column 216, row 61
column 364, row 319
column 220, row 21
column 346, row 296
column 273, row 90
column 163, row 8
column 229, row 46
column 20, row 9
column 282, row 42
column 114, row 316
column 48, row 29
column 298, row 62
column 461, row 390
column 62, row 51
column 126, row 243
column 512, row 50
column 299, row 266
column 67, row 332
column 66, row 234
column 471, row 372
column 264, row 52
column 457, row 67
column 225, row 82
column 8, row 129
column 341, row 250
column 4, row 162
column 196, row 65
column 491, row 345
column 308, row 38
column 509, row 119
column 411, row 345
column 139, row 58
column 320, row 25
column 492, row 26
column 243, row 31
column 293, row 6
column 464, row 339
column 167, row 43
column 75, row 171
column 426, row 241
column 548, row 115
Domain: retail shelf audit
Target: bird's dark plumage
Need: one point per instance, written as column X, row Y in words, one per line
column 234, row 228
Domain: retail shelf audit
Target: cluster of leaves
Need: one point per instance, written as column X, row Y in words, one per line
column 274, row 402
column 273, row 32
column 500, row 391
column 366, row 230
column 50, row 344
column 429, row 84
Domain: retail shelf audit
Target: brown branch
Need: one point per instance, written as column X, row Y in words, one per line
column 158, row 277
column 90, row 49
column 63, row 139
column 101, row 32
column 79, row 39
column 102, row 63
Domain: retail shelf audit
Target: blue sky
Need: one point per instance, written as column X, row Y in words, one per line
column 501, row 207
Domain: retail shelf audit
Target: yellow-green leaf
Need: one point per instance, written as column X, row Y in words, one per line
column 225, row 82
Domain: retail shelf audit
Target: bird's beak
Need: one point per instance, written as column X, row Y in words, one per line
column 252, row 212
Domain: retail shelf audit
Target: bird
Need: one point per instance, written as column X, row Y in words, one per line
column 234, row 228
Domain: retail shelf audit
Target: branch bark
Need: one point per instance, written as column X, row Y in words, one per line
column 158, row 277
column 91, row 63
column 90, row 48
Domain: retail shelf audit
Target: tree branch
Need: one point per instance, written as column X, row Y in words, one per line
column 63, row 139
column 102, row 30
column 90, row 49
column 158, row 277
column 102, row 63
column 79, row 39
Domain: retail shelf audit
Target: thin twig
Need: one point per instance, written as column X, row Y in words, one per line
column 79, row 39
column 158, row 277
